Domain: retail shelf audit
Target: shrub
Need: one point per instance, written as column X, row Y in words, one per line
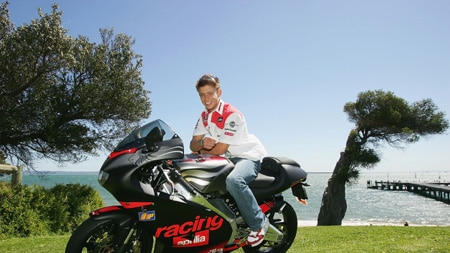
column 17, row 215
column 34, row 210
column 74, row 202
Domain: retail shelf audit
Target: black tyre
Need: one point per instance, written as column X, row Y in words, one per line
column 108, row 235
column 284, row 220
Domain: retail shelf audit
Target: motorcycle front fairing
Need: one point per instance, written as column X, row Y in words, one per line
column 180, row 227
column 119, row 173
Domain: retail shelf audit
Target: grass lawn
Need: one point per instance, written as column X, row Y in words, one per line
column 309, row 239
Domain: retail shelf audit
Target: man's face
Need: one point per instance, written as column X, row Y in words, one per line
column 210, row 96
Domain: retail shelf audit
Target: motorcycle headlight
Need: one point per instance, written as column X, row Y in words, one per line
column 102, row 177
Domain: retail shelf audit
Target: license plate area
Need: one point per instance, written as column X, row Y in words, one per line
column 299, row 191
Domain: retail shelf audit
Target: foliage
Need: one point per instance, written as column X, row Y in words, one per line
column 74, row 202
column 379, row 117
column 19, row 213
column 382, row 117
column 35, row 210
column 309, row 239
column 65, row 97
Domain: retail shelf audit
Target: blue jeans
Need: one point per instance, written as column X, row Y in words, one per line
column 244, row 172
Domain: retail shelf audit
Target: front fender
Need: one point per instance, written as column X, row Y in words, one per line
column 111, row 212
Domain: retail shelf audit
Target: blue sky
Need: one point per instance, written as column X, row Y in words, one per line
column 289, row 66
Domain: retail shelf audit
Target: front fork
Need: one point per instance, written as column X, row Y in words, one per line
column 127, row 240
column 118, row 213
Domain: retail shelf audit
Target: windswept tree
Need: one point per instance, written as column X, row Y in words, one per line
column 62, row 97
column 379, row 117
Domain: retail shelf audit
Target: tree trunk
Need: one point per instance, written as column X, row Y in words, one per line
column 334, row 204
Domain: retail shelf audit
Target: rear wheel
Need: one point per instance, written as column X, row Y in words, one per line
column 108, row 235
column 284, row 220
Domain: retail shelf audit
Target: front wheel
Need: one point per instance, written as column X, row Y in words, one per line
column 284, row 220
column 109, row 235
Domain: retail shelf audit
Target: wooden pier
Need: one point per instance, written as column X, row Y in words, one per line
column 437, row 191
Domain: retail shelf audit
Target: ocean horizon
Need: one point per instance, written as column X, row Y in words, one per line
column 364, row 206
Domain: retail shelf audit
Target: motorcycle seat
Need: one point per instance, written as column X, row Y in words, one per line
column 262, row 181
column 271, row 165
column 271, row 169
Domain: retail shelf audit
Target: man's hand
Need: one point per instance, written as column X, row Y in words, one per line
column 209, row 143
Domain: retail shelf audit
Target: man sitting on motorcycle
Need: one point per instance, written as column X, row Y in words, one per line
column 222, row 130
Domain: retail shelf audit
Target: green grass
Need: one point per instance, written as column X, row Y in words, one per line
column 41, row 244
column 309, row 239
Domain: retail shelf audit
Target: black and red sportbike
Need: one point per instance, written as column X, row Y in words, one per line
column 171, row 202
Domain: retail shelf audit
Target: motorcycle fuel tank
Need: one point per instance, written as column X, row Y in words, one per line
column 206, row 173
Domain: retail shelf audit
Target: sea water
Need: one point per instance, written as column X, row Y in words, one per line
column 364, row 206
